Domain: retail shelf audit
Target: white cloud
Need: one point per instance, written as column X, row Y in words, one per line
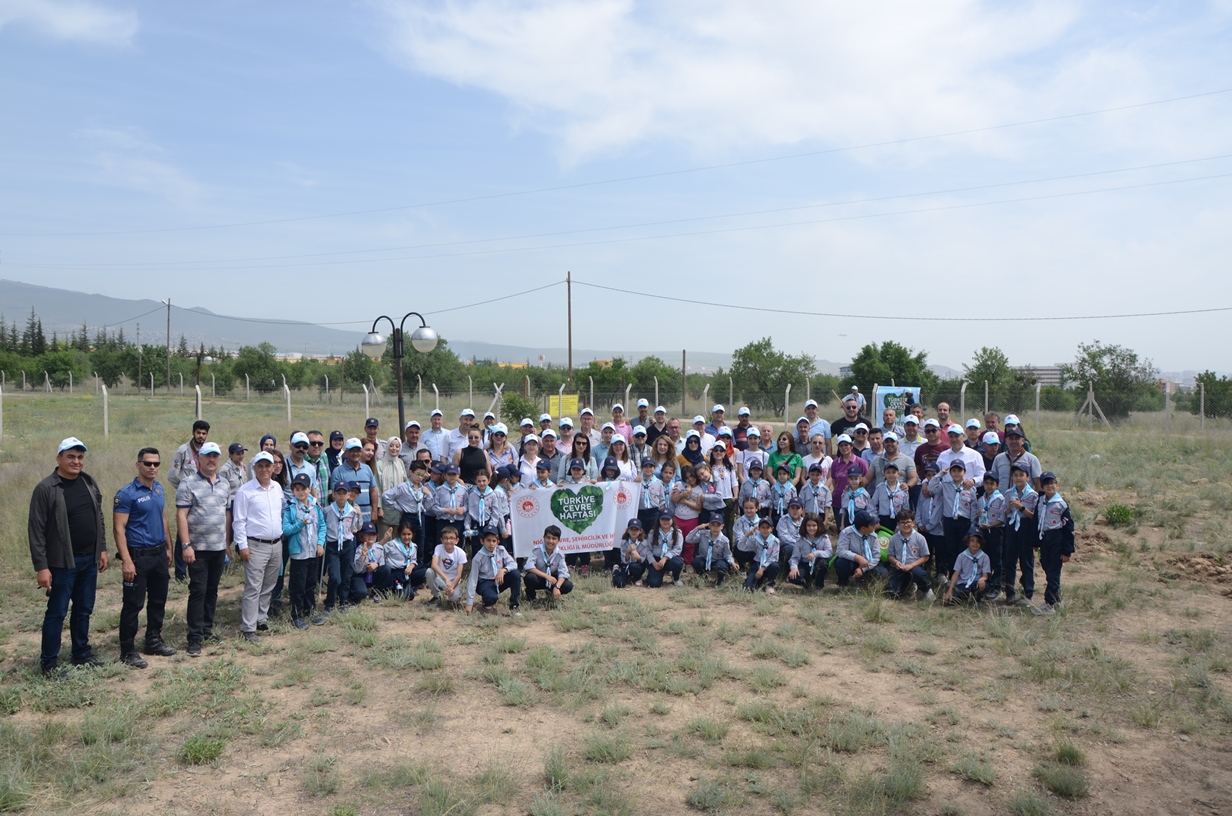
column 128, row 158
column 81, row 21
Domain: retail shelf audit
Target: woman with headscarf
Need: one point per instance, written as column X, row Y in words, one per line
column 390, row 471
column 692, row 455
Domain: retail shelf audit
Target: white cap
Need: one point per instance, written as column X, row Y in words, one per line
column 586, row 411
column 743, row 411
column 842, row 438
column 638, row 429
column 264, row 456
column 500, row 427
column 752, row 431
column 991, row 438
column 699, row 418
column 1012, row 419
column 353, row 442
column 212, row 447
column 530, row 438
column 931, row 423
column 811, row 404
column 955, row 429
column 566, row 422
column 618, row 406
column 643, row 403
column 973, row 423
column 860, row 426
column 854, row 389
column 890, row 437
column 607, row 426
column 414, row 423
column 911, row 419
column 718, row 407
column 526, row 421
column 437, row 412
column 659, row 409
column 71, row 442
column 725, row 431
column 802, row 419
column 549, row 432
column 545, row 417
column 619, row 438
column 489, row 415
column 692, row 433
column 467, row 412
column 299, row 436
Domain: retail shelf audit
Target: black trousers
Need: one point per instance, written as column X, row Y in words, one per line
column 845, row 569
column 490, row 593
column 811, row 573
column 204, row 573
column 767, row 578
column 994, row 545
column 148, row 585
column 674, row 565
column 721, row 569
column 535, row 583
column 1018, row 554
column 952, row 543
column 1050, row 560
column 305, row 574
column 625, row 574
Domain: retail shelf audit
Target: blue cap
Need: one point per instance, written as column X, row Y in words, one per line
column 543, row 464
column 352, row 485
column 863, row 519
column 633, row 524
column 450, row 469
column 372, row 422
column 610, row 464
column 1047, row 476
column 368, row 529
column 489, row 531
column 577, row 464
column 335, row 435
column 854, row 470
column 794, row 503
column 301, row 479
column 235, row 447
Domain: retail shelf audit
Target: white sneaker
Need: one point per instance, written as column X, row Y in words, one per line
column 930, row 596
column 678, row 582
column 638, row 583
column 770, row 590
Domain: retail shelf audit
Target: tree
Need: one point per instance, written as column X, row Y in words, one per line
column 1218, row 399
column 1121, row 380
column 258, row 362
column 761, row 374
column 891, row 363
column 991, row 365
column 643, row 374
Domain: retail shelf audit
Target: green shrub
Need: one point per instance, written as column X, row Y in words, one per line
column 1119, row 515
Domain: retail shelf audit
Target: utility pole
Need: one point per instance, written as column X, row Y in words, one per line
column 138, row 355
column 569, row 320
column 168, row 302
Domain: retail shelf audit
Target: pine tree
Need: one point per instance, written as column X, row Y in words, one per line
column 182, row 349
column 38, row 342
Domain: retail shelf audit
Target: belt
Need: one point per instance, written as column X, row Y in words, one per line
column 265, row 540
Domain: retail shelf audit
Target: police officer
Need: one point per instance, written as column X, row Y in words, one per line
column 144, row 545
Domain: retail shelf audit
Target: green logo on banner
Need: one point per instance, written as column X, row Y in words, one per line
column 577, row 511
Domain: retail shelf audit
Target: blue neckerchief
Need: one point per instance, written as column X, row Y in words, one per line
column 781, row 489
column 868, row 552
column 495, row 563
column 764, row 546
column 957, row 498
column 646, row 483
column 985, row 501
column 975, row 567
column 709, row 550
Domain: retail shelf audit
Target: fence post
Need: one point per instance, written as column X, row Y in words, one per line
column 151, row 383
column 874, row 396
column 23, row 380
column 1202, row 406
column 106, row 413
column 1038, row 386
column 212, row 392
column 437, row 391
column 962, row 405
column 367, row 413
column 247, row 388
column 985, row 398
column 705, row 397
column 70, row 382
column 1, row 408
column 560, row 402
column 197, row 388
column 527, row 380
column 327, row 399
column 731, row 391
column 628, row 390
column 420, row 378
column 286, row 390
column 786, row 408
column 182, row 384
column 591, row 404
column 47, row 382
column 96, row 381
column 470, row 387
column 496, row 395
column 656, row 379
column 1168, row 407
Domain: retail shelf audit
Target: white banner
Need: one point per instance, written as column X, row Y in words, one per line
column 898, row 397
column 591, row 518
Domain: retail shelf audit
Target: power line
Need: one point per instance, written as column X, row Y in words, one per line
column 945, row 318
column 697, row 233
column 637, row 225
column 641, row 177
column 158, row 308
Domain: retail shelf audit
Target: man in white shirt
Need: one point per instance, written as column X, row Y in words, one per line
column 699, row 425
column 970, row 457
column 257, row 530
column 436, row 438
column 817, row 425
column 456, row 439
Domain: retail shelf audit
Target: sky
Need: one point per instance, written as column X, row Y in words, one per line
column 853, row 167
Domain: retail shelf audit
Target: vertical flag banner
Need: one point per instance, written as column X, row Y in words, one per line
column 591, row 518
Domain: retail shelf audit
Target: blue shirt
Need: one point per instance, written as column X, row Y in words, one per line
column 362, row 474
column 144, row 506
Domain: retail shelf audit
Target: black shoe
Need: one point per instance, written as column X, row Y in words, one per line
column 52, row 671
column 134, row 660
column 90, row 662
column 299, row 623
column 318, row 620
column 159, row 648
column 194, row 650
column 251, row 637
column 263, row 626
column 212, row 638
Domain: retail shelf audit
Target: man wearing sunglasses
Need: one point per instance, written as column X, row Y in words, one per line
column 316, row 455
column 933, row 446
column 143, row 544
column 298, row 463
column 183, row 463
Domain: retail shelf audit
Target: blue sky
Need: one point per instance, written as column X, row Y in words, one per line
column 141, row 142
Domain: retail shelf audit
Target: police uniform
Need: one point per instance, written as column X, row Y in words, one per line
column 146, row 540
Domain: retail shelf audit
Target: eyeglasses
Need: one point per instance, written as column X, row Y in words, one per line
column 301, row 446
column 151, row 464
column 316, row 444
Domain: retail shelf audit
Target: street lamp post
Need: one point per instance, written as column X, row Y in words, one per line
column 423, row 340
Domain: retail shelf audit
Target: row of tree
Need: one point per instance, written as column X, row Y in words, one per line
column 759, row 373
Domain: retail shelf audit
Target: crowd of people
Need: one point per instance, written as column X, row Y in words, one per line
column 917, row 504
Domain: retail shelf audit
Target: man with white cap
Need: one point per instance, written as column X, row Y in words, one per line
column 68, row 547
column 435, row 438
column 971, row 459
column 545, row 422
column 256, row 526
column 657, row 426
column 564, row 439
column 890, row 454
column 619, row 424
column 740, row 433
column 411, row 442
column 298, row 463
column 708, row 439
column 861, row 403
column 817, row 425
column 202, row 515
column 911, row 436
column 588, row 427
column 551, row 451
column 354, row 470
column 643, row 414
column 456, row 439
column 716, row 422
column 184, row 462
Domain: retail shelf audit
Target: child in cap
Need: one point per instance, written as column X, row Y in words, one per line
column 907, row 558
column 782, row 493
column 744, row 530
column 928, row 511
column 990, row 518
column 402, row 556
column 483, row 509
column 452, row 501
column 372, row 577
column 811, row 559
column 858, row 554
column 763, row 569
column 1056, row 540
column 447, row 562
column 714, row 554
column 889, row 497
column 957, row 507
column 815, row 495
column 653, row 497
column 543, row 476
column 855, row 497
column 546, row 569
column 632, row 563
column 756, row 488
column 661, row 553
column 788, row 530
column 342, row 523
column 493, row 571
column 969, row 580
column 303, row 523
column 1018, row 551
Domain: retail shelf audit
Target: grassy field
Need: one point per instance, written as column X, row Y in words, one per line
column 644, row 701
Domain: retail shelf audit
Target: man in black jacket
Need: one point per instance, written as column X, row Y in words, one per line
column 68, row 547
